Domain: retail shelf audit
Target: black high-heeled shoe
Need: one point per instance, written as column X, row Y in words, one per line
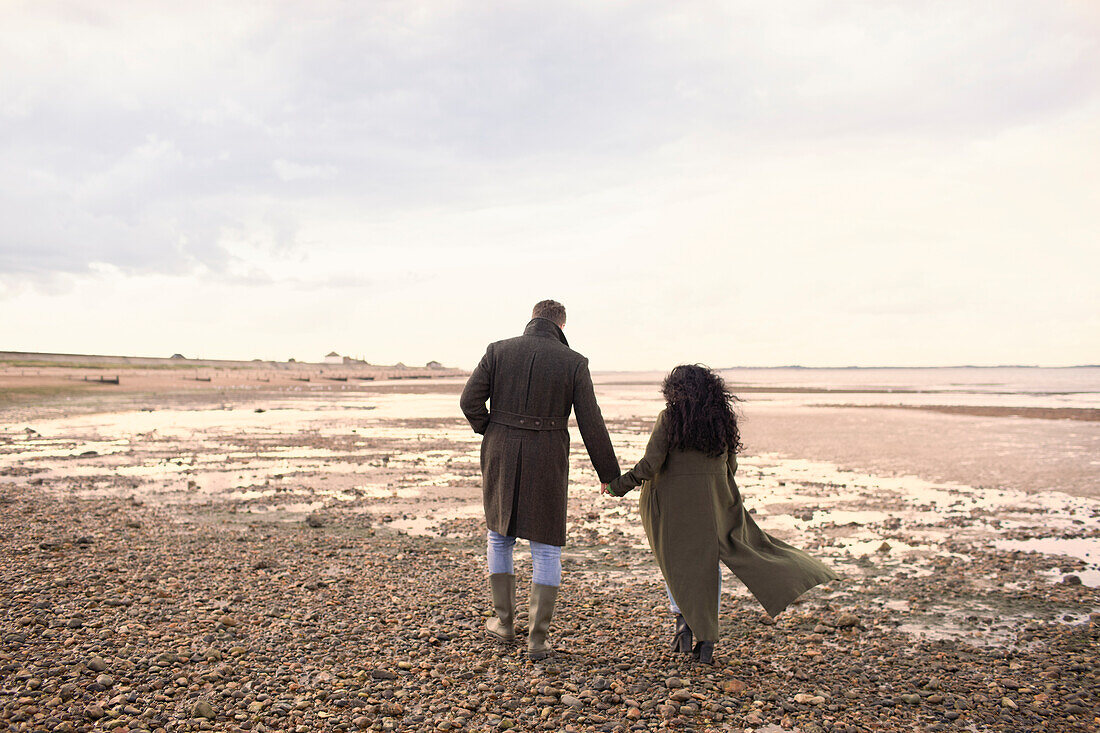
column 704, row 652
column 681, row 640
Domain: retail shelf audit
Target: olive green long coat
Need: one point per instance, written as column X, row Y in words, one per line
column 694, row 517
column 532, row 382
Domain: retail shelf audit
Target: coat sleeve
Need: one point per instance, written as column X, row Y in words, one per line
column 478, row 389
column 647, row 468
column 591, row 424
column 731, row 471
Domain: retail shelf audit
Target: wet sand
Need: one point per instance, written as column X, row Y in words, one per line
column 271, row 560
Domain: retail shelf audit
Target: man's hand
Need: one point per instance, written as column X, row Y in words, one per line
column 605, row 489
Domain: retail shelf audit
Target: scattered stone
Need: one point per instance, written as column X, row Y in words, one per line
column 846, row 621
column 202, row 709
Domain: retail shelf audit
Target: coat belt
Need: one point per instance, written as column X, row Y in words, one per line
column 528, row 422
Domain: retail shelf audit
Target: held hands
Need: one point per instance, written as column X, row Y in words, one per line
column 605, row 488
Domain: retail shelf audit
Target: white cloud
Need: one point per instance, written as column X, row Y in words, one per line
column 811, row 167
column 288, row 171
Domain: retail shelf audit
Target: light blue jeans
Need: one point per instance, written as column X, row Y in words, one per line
column 545, row 559
column 676, row 609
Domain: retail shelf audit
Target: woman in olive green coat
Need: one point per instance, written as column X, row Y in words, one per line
column 694, row 517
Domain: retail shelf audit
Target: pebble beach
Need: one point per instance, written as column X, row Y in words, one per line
column 262, row 560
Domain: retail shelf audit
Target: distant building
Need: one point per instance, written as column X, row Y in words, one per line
column 434, row 365
column 333, row 358
column 177, row 356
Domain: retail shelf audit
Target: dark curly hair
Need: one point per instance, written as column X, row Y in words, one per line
column 699, row 410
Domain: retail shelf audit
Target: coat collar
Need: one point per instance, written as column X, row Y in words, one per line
column 544, row 327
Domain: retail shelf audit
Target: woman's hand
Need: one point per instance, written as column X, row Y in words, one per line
column 606, row 488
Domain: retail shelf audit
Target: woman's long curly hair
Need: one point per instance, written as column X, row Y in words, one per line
column 699, row 410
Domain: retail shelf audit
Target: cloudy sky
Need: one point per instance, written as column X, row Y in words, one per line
column 824, row 183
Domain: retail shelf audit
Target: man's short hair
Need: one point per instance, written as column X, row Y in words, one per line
column 549, row 309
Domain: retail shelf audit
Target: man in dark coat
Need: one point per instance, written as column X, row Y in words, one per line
column 532, row 382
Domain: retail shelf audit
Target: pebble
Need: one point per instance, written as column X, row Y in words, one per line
column 846, row 621
column 202, row 709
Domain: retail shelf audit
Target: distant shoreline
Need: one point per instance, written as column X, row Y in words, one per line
column 1084, row 414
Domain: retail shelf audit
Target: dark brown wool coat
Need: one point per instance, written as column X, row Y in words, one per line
column 694, row 518
column 532, row 382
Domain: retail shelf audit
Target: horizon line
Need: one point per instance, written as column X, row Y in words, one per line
column 605, row 371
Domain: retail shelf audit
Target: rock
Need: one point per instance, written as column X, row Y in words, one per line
column 884, row 548
column 910, row 699
column 1071, row 579
column 571, row 701
column 94, row 712
column 803, row 698
column 67, row 692
column 362, row 722
column 315, row 521
column 203, row 709
column 599, row 683
column 382, row 674
column 732, row 687
column 681, row 695
column 106, row 680
column 227, row 620
column 846, row 621
column 667, row 711
column 674, row 682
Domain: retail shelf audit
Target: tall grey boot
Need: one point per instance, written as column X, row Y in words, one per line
column 541, row 610
column 503, row 586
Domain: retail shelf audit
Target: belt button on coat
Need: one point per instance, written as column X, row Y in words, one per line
column 538, row 423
